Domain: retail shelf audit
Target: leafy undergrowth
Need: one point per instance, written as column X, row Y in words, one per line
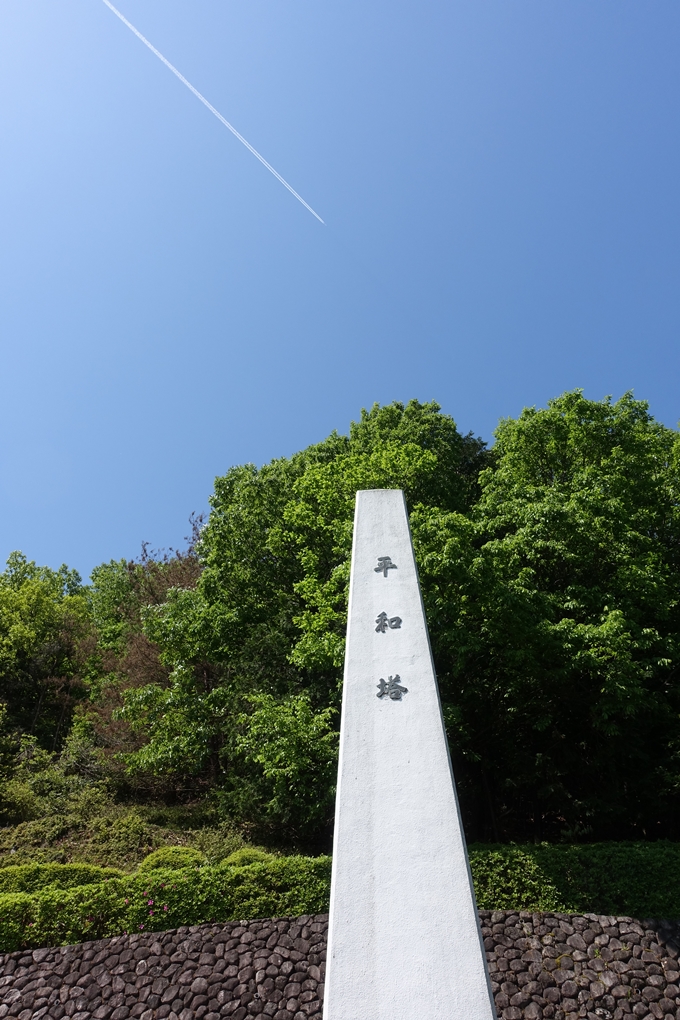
column 54, row 814
column 119, row 837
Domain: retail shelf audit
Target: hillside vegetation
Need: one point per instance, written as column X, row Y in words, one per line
column 192, row 699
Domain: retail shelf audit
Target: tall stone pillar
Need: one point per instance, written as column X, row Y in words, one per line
column 404, row 938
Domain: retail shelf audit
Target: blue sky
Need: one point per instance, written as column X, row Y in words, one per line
column 499, row 180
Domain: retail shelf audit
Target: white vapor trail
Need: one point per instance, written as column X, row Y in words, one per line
column 213, row 110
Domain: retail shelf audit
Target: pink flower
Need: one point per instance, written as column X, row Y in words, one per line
column 165, row 907
column 141, row 926
column 150, row 903
column 126, row 902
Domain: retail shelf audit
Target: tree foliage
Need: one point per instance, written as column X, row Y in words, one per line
column 551, row 581
column 43, row 613
column 258, row 644
column 555, row 620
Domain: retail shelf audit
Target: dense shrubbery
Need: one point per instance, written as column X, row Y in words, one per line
column 172, row 857
column 72, row 817
column 78, row 904
column 635, row 879
column 164, row 898
column 117, row 835
column 28, row 878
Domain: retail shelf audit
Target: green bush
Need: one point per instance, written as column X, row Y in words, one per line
column 248, row 855
column 62, row 916
column 26, row 878
column 508, row 878
column 635, row 879
column 173, row 858
column 157, row 900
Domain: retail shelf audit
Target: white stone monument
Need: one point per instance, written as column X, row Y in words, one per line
column 404, row 937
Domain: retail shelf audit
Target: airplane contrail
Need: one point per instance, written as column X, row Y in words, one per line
column 212, row 109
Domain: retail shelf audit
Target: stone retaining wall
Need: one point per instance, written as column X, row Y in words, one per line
column 568, row 966
column 229, row 970
column 542, row 965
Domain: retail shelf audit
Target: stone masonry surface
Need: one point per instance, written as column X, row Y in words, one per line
column 542, row 965
column 272, row 968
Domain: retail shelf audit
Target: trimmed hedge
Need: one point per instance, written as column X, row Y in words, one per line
column 33, row 877
column 632, row 879
column 172, row 857
column 153, row 901
column 48, row 907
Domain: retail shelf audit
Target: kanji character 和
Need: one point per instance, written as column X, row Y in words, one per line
column 384, row 622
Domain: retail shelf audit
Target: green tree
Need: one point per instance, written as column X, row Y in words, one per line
column 550, row 575
column 554, row 612
column 267, row 616
column 43, row 615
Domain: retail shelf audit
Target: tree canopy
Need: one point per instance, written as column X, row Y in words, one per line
column 43, row 615
column 550, row 574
